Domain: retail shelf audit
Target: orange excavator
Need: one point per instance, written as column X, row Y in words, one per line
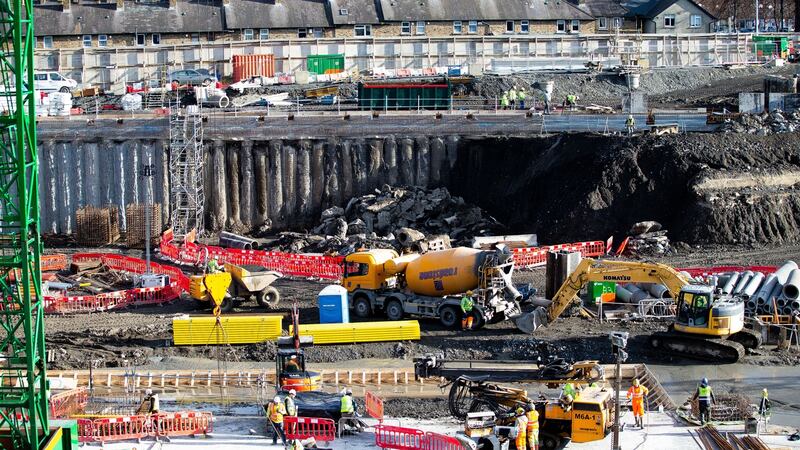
column 290, row 362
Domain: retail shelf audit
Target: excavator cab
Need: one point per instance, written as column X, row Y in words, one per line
column 292, row 373
column 699, row 312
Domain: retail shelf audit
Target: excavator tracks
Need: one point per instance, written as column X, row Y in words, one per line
column 714, row 350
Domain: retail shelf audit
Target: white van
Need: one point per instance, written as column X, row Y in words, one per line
column 53, row 82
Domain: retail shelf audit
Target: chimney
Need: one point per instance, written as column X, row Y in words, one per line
column 65, row 5
column 173, row 4
column 120, row 5
column 226, row 2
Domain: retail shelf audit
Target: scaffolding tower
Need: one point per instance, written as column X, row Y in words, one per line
column 23, row 384
column 187, row 198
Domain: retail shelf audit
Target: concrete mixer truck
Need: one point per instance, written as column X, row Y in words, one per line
column 431, row 285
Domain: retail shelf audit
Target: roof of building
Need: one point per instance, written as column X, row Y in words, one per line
column 601, row 8
column 190, row 16
column 651, row 8
column 357, row 11
column 240, row 14
column 402, row 10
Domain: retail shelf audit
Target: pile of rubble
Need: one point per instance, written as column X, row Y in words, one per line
column 394, row 217
column 764, row 123
column 647, row 238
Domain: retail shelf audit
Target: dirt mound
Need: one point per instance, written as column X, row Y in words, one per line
column 704, row 188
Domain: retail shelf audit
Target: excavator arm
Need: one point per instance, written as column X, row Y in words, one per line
column 602, row 270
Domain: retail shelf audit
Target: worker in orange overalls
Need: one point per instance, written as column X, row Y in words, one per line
column 522, row 427
column 533, row 427
column 637, row 394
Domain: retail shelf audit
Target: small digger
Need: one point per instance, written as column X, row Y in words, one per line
column 218, row 289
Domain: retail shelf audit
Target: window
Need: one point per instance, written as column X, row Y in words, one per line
column 617, row 22
column 354, row 269
column 343, row 12
column 47, row 41
column 561, row 26
column 363, row 30
column 247, row 35
column 405, row 27
column 420, row 27
column 602, row 23
column 263, row 34
column 317, row 32
column 155, row 39
column 87, row 40
column 102, row 40
column 139, row 39
column 524, row 27
column 695, row 21
column 509, row 26
column 458, row 27
column 669, row 21
column 55, row 77
column 472, row 28
column 302, row 33
column 195, row 38
column 40, row 77
column 576, row 26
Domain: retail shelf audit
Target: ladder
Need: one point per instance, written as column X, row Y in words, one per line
column 658, row 395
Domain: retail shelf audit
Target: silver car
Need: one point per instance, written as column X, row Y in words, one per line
column 194, row 77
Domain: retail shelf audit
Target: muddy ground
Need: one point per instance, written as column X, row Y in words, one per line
column 140, row 337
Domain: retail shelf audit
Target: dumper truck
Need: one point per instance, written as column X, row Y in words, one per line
column 234, row 285
column 431, row 285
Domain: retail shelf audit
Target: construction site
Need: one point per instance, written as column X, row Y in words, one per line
column 492, row 256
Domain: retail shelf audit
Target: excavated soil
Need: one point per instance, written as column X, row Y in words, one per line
column 704, row 188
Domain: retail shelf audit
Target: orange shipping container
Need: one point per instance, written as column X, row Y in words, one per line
column 246, row 66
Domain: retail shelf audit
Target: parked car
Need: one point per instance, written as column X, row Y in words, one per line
column 53, row 82
column 194, row 77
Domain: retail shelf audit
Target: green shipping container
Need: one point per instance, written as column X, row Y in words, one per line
column 598, row 288
column 381, row 96
column 325, row 64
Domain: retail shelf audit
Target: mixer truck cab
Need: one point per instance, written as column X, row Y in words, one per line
column 430, row 285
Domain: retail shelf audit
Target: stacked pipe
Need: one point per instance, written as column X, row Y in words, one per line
column 636, row 293
column 762, row 293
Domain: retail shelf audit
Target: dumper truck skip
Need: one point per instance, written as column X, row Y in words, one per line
column 431, row 285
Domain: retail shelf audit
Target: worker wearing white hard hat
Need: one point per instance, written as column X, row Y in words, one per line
column 275, row 412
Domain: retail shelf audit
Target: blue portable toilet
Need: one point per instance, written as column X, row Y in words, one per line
column 333, row 305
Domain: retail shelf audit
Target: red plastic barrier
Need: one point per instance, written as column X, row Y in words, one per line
column 86, row 431
column 700, row 271
column 120, row 428
column 374, row 406
column 399, row 438
column 437, row 441
column 181, row 424
column 66, row 404
column 306, row 427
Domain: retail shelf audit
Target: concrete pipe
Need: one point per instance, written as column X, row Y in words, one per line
column 752, row 285
column 623, row 295
column 775, row 294
column 722, row 279
column 686, row 274
column 636, row 292
column 743, row 280
column 731, row 283
column 791, row 289
column 633, row 81
column 659, row 291
column 783, row 271
column 780, row 301
column 787, row 310
column 795, row 304
column 766, row 289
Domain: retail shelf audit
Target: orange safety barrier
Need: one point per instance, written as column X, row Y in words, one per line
column 437, row 441
column 399, row 438
column 86, row 431
column 51, row 263
column 306, row 427
column 181, row 424
column 68, row 403
column 374, row 406
column 120, row 428
column 529, row 257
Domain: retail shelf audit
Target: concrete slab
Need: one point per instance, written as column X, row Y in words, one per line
column 751, row 102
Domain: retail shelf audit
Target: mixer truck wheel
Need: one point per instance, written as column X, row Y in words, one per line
column 449, row 316
column 394, row 310
column 361, row 307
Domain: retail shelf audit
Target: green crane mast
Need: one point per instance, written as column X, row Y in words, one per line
column 23, row 384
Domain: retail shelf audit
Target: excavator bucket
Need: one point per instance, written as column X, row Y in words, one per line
column 529, row 322
column 217, row 285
